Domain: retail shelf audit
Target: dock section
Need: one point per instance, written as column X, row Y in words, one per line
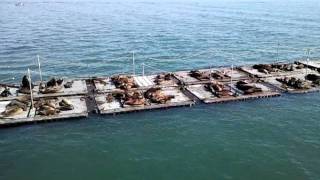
column 219, row 92
column 127, row 93
column 77, row 87
column 8, row 92
column 45, row 109
column 222, row 74
column 311, row 64
column 137, row 100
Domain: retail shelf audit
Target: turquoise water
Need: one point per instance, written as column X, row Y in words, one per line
column 275, row 138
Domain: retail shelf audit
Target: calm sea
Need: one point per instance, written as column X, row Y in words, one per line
column 277, row 138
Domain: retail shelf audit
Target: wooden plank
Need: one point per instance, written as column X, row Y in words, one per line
column 243, row 97
column 148, row 107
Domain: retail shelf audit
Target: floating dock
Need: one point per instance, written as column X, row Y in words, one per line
column 79, row 87
column 118, row 106
column 182, row 88
column 31, row 115
column 234, row 94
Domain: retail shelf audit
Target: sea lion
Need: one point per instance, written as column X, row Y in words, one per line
column 47, row 110
column 65, row 105
column 6, row 92
column 68, row 84
column 109, row 98
column 156, row 95
column 12, row 111
column 25, row 86
column 248, row 88
column 17, row 103
column 123, row 82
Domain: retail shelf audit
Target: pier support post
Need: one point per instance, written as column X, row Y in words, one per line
column 30, row 86
column 133, row 64
column 39, row 66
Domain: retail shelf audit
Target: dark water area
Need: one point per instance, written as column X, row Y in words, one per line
column 276, row 138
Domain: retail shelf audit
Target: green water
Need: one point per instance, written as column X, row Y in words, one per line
column 263, row 139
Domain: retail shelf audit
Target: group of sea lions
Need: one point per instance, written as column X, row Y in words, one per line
column 52, row 86
column 294, row 82
column 123, row 82
column 137, row 98
column 16, row 107
column 43, row 107
column 269, row 68
column 206, row 75
column 132, row 98
column 218, row 89
column 48, row 107
column 162, row 79
column 24, row 88
column 156, row 95
column 248, row 87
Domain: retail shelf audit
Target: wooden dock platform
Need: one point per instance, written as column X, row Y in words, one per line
column 105, row 84
column 116, row 106
column 184, row 77
column 90, row 94
column 78, row 88
column 207, row 97
column 31, row 115
column 311, row 64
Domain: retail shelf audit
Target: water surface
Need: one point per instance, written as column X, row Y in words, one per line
column 275, row 138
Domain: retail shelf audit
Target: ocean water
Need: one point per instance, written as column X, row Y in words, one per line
column 275, row 138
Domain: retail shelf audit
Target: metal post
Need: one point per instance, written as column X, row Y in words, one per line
column 30, row 86
column 40, row 73
column 232, row 59
column 278, row 51
column 142, row 69
column 231, row 76
column 308, row 55
column 133, row 64
column 210, row 76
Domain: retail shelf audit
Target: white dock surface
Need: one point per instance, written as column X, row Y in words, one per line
column 144, row 81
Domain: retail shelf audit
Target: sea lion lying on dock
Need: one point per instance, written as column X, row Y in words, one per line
column 16, row 107
column 123, row 82
column 6, row 92
column 219, row 89
column 109, row 98
column 131, row 98
column 163, row 78
column 52, row 86
column 248, row 88
column 283, row 67
column 65, row 105
column 134, row 98
column 48, row 107
column 156, row 95
column 269, row 68
column 202, row 76
column 25, row 86
column 68, row 84
column 294, row 82
column 219, row 75
column 314, row 78
column 206, row 75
